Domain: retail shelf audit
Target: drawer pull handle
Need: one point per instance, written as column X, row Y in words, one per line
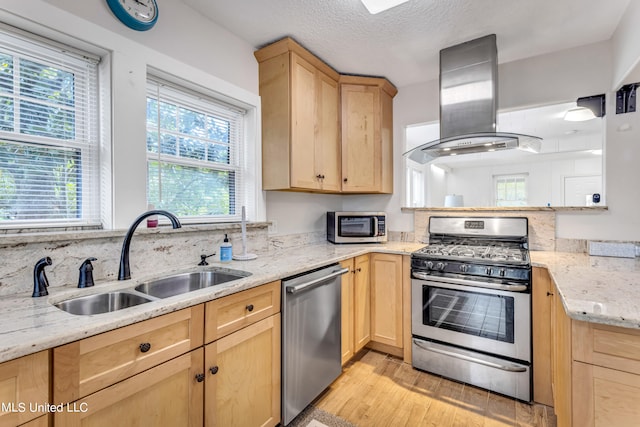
column 250, row 307
column 199, row 377
column 213, row 370
column 145, row 346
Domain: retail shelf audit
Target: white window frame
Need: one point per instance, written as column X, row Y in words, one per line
column 21, row 44
column 507, row 202
column 192, row 96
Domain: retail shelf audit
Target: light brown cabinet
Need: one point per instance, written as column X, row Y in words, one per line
column 542, row 301
column 160, row 372
column 242, row 358
column 300, row 116
column 347, row 311
column 167, row 394
column 367, row 134
column 386, row 299
column 24, row 384
column 243, row 376
column 361, row 303
column 322, row 131
column 605, row 375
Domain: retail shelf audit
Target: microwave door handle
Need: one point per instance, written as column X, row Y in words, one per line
column 375, row 226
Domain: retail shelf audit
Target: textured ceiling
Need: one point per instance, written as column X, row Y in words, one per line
column 403, row 43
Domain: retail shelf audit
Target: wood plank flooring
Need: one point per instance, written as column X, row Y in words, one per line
column 376, row 389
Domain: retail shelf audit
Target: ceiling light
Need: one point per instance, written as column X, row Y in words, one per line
column 579, row 114
column 377, row 6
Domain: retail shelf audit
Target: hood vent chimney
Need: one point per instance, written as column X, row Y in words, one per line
column 468, row 104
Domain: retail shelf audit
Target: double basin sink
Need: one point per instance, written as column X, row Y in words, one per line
column 164, row 287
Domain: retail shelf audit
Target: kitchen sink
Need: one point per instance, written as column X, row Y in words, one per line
column 187, row 282
column 102, row 303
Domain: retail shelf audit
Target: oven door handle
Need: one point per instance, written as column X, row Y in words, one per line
column 509, row 368
column 497, row 286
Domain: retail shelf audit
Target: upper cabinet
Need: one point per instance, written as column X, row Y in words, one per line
column 300, row 116
column 322, row 132
column 367, row 134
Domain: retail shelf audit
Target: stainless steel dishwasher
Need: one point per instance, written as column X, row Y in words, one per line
column 310, row 337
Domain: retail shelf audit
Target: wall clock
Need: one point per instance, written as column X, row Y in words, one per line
column 140, row 15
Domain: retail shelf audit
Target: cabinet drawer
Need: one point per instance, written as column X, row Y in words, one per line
column 233, row 312
column 91, row 364
column 608, row 346
column 24, row 388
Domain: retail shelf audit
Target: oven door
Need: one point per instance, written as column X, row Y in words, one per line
column 493, row 321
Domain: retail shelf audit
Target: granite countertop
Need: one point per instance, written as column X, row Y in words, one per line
column 594, row 289
column 28, row 325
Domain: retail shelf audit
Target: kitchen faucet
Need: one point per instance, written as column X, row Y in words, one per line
column 40, row 282
column 124, row 272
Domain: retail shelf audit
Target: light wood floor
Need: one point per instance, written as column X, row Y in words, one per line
column 376, row 389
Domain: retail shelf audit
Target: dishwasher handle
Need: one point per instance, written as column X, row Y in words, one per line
column 315, row 282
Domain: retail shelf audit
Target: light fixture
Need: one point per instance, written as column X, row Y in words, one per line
column 377, row 6
column 579, row 114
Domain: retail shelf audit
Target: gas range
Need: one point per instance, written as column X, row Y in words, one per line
column 480, row 247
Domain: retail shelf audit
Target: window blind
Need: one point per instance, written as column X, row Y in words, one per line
column 195, row 159
column 49, row 140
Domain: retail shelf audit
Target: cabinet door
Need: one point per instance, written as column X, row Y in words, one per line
column 604, row 397
column 562, row 361
column 542, row 349
column 361, row 153
column 303, row 124
column 362, row 302
column 23, row 382
column 386, row 299
column 243, row 377
column 166, row 395
column 327, row 147
column 347, row 309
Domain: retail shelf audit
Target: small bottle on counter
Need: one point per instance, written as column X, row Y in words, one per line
column 152, row 221
column 226, row 250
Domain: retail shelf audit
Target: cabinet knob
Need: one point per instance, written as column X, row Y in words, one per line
column 199, row 377
column 145, row 346
column 213, row 370
column 359, row 269
column 250, row 307
column 344, row 180
column 549, row 293
column 319, row 176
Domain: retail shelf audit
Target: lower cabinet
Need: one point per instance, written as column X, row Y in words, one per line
column 361, row 303
column 347, row 314
column 542, row 300
column 242, row 386
column 386, row 299
column 24, row 390
column 169, row 394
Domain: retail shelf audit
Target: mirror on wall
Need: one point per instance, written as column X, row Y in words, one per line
column 567, row 170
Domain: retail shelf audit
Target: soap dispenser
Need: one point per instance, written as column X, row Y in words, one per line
column 226, row 250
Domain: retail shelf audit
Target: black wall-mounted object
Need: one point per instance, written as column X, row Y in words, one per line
column 595, row 103
column 626, row 98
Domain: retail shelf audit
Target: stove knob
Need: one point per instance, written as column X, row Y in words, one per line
column 429, row 265
column 488, row 271
column 440, row 266
column 464, row 268
column 502, row 272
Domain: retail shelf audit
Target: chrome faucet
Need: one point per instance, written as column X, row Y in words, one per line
column 40, row 282
column 124, row 272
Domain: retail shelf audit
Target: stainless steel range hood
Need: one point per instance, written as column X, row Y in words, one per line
column 468, row 105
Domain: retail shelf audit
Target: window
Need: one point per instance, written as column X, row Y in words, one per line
column 510, row 190
column 415, row 187
column 49, row 141
column 194, row 153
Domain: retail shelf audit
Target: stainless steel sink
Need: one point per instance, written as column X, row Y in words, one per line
column 187, row 282
column 101, row 303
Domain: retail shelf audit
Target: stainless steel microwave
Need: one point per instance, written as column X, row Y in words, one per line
column 356, row 227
